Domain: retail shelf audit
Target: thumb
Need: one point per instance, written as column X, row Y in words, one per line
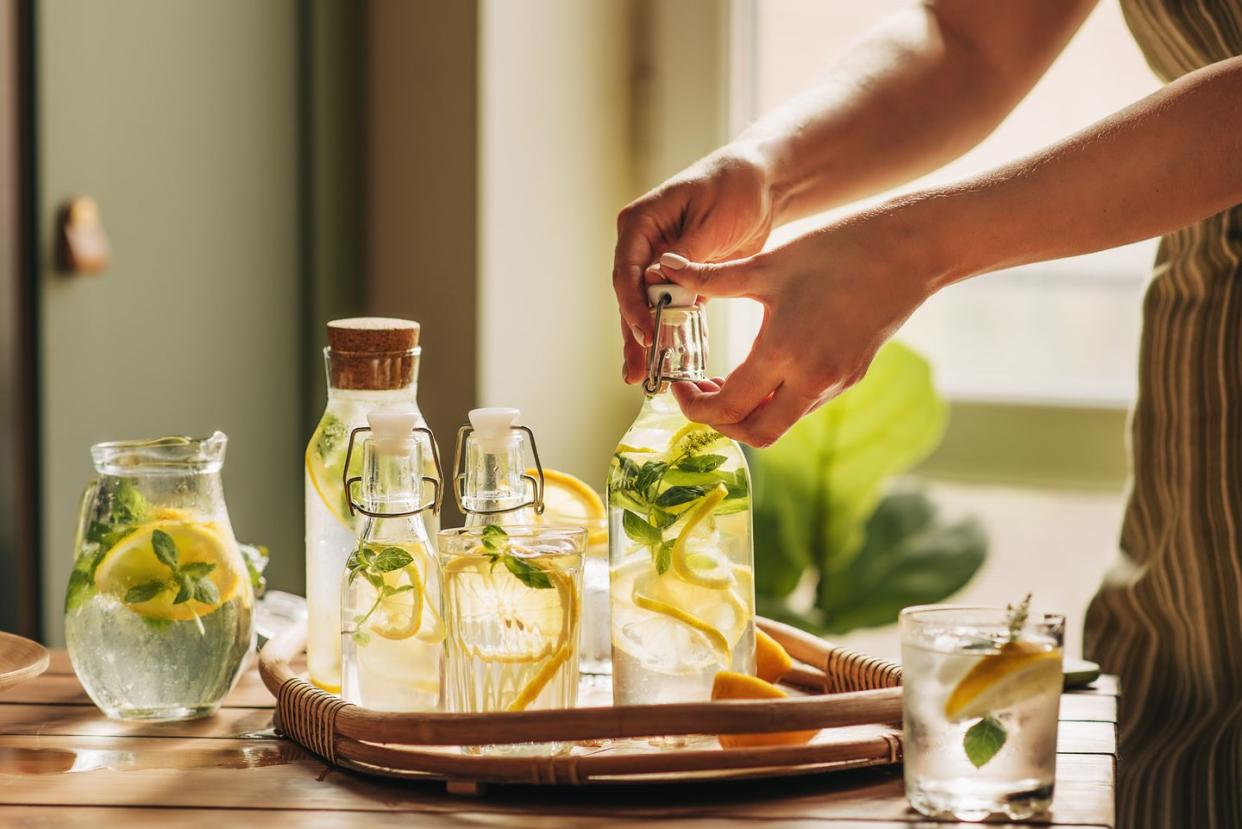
column 719, row 279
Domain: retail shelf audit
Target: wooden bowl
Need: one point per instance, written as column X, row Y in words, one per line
column 20, row 660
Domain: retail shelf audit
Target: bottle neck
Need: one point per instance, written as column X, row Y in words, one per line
column 681, row 345
column 391, row 484
column 493, row 481
column 386, row 375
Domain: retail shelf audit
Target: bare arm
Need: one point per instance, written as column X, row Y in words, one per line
column 834, row 295
column 914, row 93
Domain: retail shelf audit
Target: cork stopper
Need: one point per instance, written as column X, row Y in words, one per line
column 372, row 335
column 372, row 353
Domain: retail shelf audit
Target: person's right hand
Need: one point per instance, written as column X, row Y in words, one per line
column 718, row 209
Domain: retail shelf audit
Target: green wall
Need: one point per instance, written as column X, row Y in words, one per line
column 181, row 118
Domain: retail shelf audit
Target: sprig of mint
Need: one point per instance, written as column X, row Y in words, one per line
column 496, row 548
column 655, row 495
column 124, row 507
column 370, row 562
column 986, row 737
column 190, row 580
column 1017, row 617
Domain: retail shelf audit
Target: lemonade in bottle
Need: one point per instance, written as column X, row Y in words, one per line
column 680, row 550
column 392, row 633
column 371, row 362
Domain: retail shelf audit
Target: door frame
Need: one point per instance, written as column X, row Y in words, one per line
column 19, row 438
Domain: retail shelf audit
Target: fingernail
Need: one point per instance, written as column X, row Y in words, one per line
column 674, row 260
column 625, row 373
column 639, row 336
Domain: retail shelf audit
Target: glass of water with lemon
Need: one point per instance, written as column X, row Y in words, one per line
column 982, row 691
column 159, row 604
column 512, row 609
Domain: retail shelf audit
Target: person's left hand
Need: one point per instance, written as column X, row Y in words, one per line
column 830, row 299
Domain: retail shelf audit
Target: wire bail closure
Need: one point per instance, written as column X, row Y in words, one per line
column 436, row 482
column 657, row 359
column 536, row 483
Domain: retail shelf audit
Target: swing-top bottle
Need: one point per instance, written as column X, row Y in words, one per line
column 680, row 549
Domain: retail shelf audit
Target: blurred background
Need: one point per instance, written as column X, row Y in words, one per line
column 262, row 167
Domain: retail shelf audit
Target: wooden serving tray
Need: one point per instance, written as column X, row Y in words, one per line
column 854, row 698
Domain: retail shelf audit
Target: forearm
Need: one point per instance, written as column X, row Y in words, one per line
column 913, row 94
column 1161, row 164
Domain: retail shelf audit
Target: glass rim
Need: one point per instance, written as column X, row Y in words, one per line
column 171, row 452
column 930, row 614
column 518, row 531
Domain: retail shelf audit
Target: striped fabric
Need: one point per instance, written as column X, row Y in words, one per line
column 1168, row 619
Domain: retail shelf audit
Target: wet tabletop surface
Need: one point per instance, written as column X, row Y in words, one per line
column 62, row 763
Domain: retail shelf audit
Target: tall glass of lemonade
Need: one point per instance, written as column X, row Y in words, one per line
column 680, row 551
column 371, row 362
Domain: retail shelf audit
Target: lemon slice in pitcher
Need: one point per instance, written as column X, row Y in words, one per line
column 132, row 564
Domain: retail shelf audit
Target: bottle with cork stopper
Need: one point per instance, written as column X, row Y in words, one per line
column 371, row 362
column 680, row 551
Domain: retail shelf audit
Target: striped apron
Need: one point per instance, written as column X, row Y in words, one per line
column 1168, row 618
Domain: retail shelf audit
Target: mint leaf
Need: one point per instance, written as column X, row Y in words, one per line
column 701, row 463
column 649, row 476
column 495, row 539
column 983, row 739
column 198, row 569
column 527, row 573
column 676, row 495
column 165, row 549
column 639, row 530
column 391, row 558
column 127, row 506
column 662, row 520
column 361, row 638
column 143, row 592
column 664, row 556
column 205, row 591
column 185, row 588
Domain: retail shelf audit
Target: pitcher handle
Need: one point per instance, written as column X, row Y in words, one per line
column 88, row 498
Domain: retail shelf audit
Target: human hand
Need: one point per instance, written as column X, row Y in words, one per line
column 830, row 299
column 719, row 208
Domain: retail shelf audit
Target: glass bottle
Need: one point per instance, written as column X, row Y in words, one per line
column 680, row 551
column 158, row 613
column 495, row 484
column 371, row 362
column 392, row 633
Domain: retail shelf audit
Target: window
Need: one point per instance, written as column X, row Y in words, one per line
column 1063, row 332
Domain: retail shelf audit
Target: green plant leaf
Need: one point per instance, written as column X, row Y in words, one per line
column 816, row 487
column 165, row 548
column 639, row 530
column 391, row 558
column 143, row 592
column 908, row 557
column 662, row 520
column 982, row 740
column 527, row 573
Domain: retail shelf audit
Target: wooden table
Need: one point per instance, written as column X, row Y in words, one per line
column 63, row 764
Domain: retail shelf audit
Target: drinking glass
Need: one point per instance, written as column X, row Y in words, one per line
column 980, row 705
column 512, row 605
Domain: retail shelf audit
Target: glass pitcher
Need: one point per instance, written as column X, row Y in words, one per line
column 159, row 605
